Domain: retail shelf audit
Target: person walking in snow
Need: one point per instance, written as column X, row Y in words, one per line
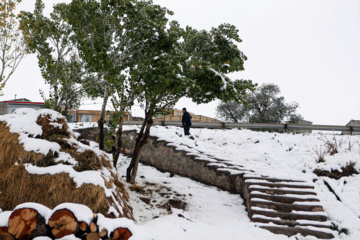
column 186, row 121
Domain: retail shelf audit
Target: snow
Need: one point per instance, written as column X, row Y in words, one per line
column 282, row 156
column 80, row 178
column 81, row 212
column 4, row 218
column 69, row 237
column 222, row 78
column 41, row 209
column 112, row 224
column 23, row 122
column 211, row 213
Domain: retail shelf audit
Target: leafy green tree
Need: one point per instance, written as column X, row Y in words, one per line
column 187, row 63
column 59, row 62
column 12, row 47
column 108, row 34
column 265, row 106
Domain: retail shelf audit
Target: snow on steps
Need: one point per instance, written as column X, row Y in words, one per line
column 285, row 206
column 282, row 206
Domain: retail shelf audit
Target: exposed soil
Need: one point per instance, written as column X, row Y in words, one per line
column 159, row 198
column 335, row 174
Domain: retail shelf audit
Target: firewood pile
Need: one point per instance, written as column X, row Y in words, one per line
column 31, row 220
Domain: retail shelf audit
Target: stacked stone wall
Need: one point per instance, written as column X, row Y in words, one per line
column 167, row 159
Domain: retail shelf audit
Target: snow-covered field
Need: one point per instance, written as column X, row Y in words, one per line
column 209, row 213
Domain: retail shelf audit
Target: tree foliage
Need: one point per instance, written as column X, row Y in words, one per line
column 187, row 63
column 108, row 35
column 135, row 53
column 12, row 47
column 61, row 67
column 265, row 106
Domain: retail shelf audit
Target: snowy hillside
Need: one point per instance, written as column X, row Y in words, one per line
column 200, row 212
column 272, row 154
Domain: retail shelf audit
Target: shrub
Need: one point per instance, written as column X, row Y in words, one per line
column 320, row 152
column 334, row 226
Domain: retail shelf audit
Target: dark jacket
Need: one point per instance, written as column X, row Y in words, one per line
column 186, row 118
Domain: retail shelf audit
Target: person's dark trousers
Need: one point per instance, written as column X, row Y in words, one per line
column 186, row 130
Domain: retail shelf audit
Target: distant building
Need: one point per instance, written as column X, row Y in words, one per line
column 300, row 122
column 175, row 115
column 137, row 119
column 78, row 115
column 10, row 106
column 353, row 123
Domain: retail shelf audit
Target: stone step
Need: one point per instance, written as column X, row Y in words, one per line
column 274, row 180
column 294, row 185
column 280, row 191
column 289, row 223
column 284, row 198
column 291, row 231
column 286, row 207
column 293, row 216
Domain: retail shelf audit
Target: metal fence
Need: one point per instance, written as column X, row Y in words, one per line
column 195, row 118
column 285, row 127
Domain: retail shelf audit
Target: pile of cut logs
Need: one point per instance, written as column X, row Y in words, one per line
column 29, row 223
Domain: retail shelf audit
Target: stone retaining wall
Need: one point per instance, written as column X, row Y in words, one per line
column 167, row 159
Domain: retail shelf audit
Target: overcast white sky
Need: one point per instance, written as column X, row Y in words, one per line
column 310, row 48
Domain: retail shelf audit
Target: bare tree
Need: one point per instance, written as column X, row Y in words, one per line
column 12, row 47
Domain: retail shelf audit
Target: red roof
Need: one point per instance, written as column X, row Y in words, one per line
column 37, row 103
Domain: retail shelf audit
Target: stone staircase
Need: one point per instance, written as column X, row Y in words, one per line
column 285, row 206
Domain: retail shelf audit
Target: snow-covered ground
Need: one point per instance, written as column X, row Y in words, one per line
column 209, row 213
column 212, row 212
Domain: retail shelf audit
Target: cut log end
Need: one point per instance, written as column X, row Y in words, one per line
column 103, row 233
column 4, row 230
column 93, row 236
column 93, row 227
column 121, row 234
column 6, row 236
column 22, row 223
column 83, row 226
column 63, row 222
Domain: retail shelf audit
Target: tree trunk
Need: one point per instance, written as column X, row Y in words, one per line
column 121, row 234
column 102, row 118
column 141, row 140
column 56, row 100
column 63, row 222
column 27, row 223
column 118, row 139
